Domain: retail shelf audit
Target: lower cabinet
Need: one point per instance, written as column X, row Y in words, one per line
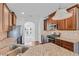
column 51, row 40
column 57, row 41
column 65, row 44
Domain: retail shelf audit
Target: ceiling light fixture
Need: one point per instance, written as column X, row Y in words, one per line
column 22, row 13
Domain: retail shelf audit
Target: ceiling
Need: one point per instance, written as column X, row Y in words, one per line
column 35, row 11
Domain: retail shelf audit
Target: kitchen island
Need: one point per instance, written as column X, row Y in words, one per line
column 48, row 49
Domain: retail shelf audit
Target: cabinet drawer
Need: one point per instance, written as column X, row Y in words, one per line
column 67, row 45
column 57, row 41
column 51, row 40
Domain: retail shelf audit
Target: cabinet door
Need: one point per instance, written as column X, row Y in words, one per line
column 13, row 18
column 67, row 45
column 49, row 20
column 45, row 24
column 61, row 24
column 58, row 42
column 1, row 17
column 52, row 21
column 10, row 19
column 5, row 18
column 71, row 22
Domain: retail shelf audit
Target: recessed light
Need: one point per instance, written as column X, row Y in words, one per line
column 22, row 13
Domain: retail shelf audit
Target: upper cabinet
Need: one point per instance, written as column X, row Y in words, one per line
column 13, row 18
column 61, row 24
column 10, row 19
column 7, row 18
column 71, row 23
column 1, row 13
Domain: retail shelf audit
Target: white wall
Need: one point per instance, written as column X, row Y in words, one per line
column 40, row 29
column 21, row 22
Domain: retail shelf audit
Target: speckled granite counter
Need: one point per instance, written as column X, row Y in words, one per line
column 70, row 36
column 48, row 49
column 7, row 42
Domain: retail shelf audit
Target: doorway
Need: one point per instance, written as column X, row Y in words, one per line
column 28, row 33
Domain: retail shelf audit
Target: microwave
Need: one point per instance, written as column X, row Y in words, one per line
column 52, row 27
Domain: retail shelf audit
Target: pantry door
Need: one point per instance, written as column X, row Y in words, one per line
column 29, row 32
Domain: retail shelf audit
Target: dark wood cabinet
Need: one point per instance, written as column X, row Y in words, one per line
column 57, row 42
column 51, row 21
column 13, row 18
column 61, row 24
column 65, row 44
column 51, row 40
column 69, row 23
column 10, row 19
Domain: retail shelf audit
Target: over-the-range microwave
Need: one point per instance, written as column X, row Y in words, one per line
column 52, row 27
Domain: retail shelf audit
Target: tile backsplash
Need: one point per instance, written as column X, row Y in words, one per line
column 70, row 34
column 65, row 34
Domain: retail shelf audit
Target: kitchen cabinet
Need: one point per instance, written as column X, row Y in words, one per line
column 65, row 44
column 13, row 19
column 51, row 21
column 71, row 23
column 1, row 13
column 57, row 42
column 4, row 17
column 54, row 21
column 48, row 22
column 51, row 40
column 61, row 24
column 7, row 18
column 10, row 19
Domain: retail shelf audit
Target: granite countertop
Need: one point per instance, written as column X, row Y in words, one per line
column 69, row 39
column 7, row 42
column 48, row 49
